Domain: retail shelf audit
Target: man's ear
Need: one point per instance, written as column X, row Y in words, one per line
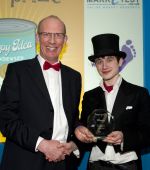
column 37, row 38
column 121, row 62
column 66, row 38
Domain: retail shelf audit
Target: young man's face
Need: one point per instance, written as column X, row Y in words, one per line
column 108, row 67
column 52, row 39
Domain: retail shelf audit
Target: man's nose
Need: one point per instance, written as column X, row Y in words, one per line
column 52, row 38
column 104, row 64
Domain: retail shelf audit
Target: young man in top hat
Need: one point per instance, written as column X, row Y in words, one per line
column 128, row 104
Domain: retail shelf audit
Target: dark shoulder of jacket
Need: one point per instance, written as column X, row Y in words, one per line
column 94, row 91
column 69, row 69
column 22, row 62
column 133, row 87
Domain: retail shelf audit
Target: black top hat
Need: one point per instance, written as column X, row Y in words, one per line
column 106, row 45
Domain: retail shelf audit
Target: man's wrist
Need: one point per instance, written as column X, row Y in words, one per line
column 75, row 149
column 40, row 139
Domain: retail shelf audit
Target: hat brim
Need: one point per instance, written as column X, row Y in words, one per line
column 119, row 54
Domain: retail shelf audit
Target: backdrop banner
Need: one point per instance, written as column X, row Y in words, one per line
column 118, row 17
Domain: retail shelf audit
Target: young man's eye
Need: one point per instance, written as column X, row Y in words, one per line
column 98, row 62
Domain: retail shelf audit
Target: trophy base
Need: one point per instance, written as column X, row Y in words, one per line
column 97, row 138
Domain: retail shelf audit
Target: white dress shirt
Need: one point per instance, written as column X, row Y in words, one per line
column 54, row 86
column 110, row 154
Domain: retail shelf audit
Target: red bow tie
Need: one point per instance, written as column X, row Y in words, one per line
column 47, row 65
column 108, row 88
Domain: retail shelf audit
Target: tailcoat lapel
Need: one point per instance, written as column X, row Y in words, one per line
column 100, row 97
column 122, row 99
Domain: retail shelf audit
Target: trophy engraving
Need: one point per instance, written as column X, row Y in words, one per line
column 100, row 123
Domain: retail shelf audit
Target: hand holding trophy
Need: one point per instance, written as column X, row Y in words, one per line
column 100, row 123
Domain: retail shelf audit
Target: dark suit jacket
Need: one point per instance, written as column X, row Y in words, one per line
column 131, row 113
column 26, row 112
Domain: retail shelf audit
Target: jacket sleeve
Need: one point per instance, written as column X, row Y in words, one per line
column 12, row 125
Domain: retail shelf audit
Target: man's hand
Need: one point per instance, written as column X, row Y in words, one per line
column 67, row 147
column 51, row 150
column 84, row 135
column 115, row 138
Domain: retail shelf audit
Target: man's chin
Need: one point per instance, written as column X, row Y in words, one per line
column 107, row 78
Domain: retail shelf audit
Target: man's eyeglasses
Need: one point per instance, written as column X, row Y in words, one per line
column 47, row 35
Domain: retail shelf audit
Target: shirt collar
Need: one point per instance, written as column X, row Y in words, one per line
column 116, row 85
column 42, row 60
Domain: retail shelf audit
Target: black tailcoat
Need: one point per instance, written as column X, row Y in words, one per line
column 131, row 112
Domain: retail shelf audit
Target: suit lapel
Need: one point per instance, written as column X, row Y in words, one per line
column 36, row 74
column 121, row 99
column 65, row 88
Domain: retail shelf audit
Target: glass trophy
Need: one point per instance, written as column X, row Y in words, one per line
column 100, row 123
